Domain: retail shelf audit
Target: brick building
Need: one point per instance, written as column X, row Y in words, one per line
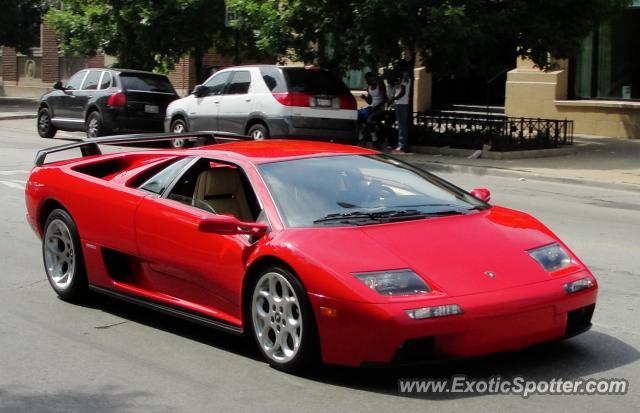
column 33, row 75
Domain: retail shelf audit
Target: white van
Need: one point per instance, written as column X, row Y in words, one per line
column 268, row 102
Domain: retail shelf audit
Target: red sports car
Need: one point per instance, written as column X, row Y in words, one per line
column 319, row 251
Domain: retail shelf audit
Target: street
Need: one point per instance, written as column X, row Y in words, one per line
column 112, row 356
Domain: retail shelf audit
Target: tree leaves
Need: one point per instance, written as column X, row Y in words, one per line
column 20, row 23
column 451, row 36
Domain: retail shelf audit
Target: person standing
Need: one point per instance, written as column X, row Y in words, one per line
column 400, row 101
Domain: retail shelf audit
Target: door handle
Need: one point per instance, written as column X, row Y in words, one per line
column 216, row 101
column 247, row 100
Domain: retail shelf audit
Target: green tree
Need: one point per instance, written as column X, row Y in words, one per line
column 451, row 36
column 142, row 34
column 20, row 23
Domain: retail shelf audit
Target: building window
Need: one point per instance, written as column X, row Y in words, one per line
column 608, row 66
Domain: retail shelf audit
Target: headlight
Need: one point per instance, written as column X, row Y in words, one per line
column 579, row 285
column 394, row 282
column 431, row 312
column 551, row 257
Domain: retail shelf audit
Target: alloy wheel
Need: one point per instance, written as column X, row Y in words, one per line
column 93, row 127
column 277, row 317
column 43, row 122
column 179, row 127
column 257, row 135
column 59, row 254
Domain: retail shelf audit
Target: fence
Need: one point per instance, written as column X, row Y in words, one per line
column 502, row 133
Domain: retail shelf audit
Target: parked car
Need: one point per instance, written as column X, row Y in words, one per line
column 106, row 101
column 268, row 101
column 318, row 251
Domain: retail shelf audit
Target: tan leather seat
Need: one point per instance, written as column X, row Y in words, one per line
column 222, row 189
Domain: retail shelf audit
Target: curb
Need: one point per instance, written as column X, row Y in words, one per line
column 18, row 116
column 486, row 154
column 510, row 173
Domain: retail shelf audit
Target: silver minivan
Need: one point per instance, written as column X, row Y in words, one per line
column 268, row 102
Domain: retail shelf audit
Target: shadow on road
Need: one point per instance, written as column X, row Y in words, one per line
column 189, row 330
column 588, row 354
column 106, row 399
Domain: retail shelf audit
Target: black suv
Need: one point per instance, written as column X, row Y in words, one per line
column 105, row 101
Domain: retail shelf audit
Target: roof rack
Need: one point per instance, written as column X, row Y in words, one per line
column 90, row 147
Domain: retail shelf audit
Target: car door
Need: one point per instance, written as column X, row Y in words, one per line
column 236, row 103
column 203, row 110
column 201, row 268
column 87, row 91
column 64, row 109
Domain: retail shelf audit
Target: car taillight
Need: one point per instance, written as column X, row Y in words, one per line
column 348, row 102
column 117, row 100
column 293, row 99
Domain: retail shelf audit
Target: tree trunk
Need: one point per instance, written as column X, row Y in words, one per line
column 198, row 56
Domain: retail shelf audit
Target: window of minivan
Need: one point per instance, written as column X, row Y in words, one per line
column 215, row 85
column 273, row 79
column 240, row 83
column 314, row 81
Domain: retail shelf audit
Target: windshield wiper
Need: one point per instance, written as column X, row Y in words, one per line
column 345, row 217
column 393, row 215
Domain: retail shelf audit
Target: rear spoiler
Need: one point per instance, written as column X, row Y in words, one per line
column 90, row 147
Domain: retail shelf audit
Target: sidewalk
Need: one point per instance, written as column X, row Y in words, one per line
column 17, row 108
column 612, row 163
column 598, row 161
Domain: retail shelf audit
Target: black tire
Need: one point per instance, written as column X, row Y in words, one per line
column 179, row 126
column 94, row 126
column 259, row 132
column 66, row 247
column 45, row 127
column 307, row 354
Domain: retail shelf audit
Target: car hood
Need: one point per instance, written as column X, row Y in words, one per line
column 453, row 254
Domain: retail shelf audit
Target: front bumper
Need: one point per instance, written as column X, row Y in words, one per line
column 504, row 320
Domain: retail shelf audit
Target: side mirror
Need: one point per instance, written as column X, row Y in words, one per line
column 199, row 90
column 58, row 85
column 230, row 225
column 482, row 194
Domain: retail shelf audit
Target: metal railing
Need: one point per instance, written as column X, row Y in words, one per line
column 502, row 133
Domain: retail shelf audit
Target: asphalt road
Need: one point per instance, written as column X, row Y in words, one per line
column 112, row 356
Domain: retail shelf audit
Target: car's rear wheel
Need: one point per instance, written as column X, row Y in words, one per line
column 45, row 127
column 259, row 132
column 282, row 321
column 94, row 126
column 179, row 126
column 62, row 255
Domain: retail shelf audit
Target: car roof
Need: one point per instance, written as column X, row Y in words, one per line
column 126, row 71
column 277, row 150
column 272, row 66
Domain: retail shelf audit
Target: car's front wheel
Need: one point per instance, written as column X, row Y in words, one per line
column 282, row 321
column 63, row 260
column 45, row 127
column 179, row 126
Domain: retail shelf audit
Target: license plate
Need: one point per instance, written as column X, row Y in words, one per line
column 151, row 109
column 323, row 102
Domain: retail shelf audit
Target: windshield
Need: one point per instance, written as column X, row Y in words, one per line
column 360, row 190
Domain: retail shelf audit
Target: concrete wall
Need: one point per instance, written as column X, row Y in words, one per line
column 533, row 93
